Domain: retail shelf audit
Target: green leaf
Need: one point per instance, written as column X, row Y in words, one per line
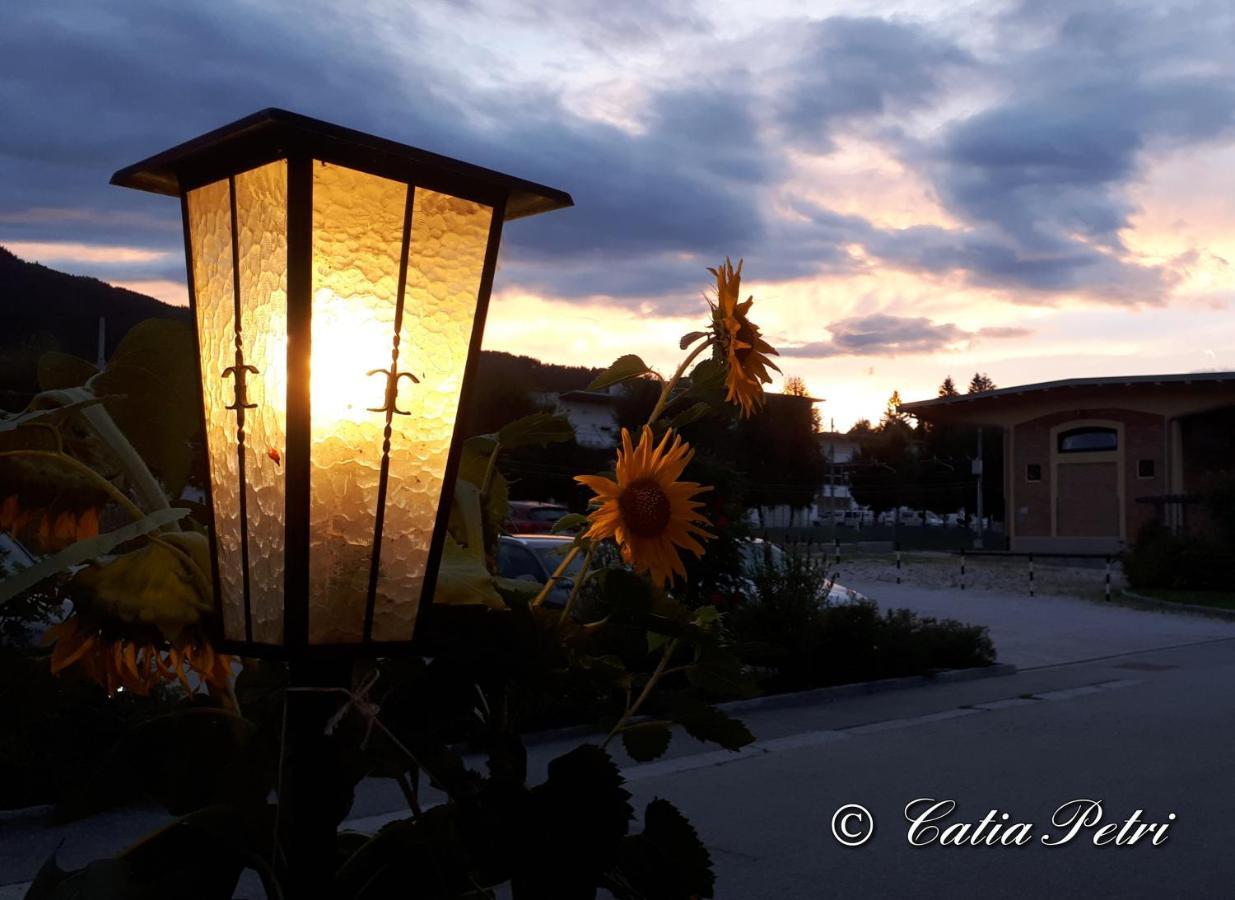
column 646, row 742
column 704, row 722
column 571, row 522
column 154, row 396
column 536, row 430
column 706, row 615
column 473, row 463
column 83, row 551
column 63, row 370
column 463, row 579
column 707, row 376
column 582, row 812
column 691, row 414
column 667, row 861
column 690, row 338
column 720, row 672
column 623, row 369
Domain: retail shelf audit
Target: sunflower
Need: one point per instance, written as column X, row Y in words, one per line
column 745, row 351
column 134, row 662
column 140, row 619
column 647, row 510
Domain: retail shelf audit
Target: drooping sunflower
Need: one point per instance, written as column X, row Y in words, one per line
column 647, row 511
column 746, row 352
column 139, row 620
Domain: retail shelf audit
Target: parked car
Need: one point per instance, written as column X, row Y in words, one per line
column 532, row 517
column 534, row 558
column 756, row 551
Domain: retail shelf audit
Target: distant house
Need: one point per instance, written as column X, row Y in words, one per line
column 593, row 415
column 1088, row 461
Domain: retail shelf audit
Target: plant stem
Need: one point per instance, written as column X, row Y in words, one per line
column 669, row 385
column 633, row 709
column 544, row 591
column 574, row 591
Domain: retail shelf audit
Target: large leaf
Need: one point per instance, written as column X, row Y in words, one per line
column 720, row 672
column 708, row 376
column 646, row 742
column 154, row 396
column 691, row 414
column 463, row 579
column 582, row 812
column 535, row 430
column 623, row 369
column 667, row 861
column 82, row 551
column 705, row 722
column 63, row 370
column 473, row 466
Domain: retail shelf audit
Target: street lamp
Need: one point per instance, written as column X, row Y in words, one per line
column 339, row 284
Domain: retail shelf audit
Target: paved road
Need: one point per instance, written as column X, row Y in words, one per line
column 1152, row 730
column 1048, row 630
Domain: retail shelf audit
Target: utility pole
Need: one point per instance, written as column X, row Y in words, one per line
column 977, row 470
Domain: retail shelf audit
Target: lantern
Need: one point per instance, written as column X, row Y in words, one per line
column 339, row 283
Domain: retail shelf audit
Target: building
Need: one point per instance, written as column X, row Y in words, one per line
column 1089, row 461
column 593, row 415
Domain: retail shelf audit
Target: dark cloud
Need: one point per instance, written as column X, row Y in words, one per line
column 1038, row 179
column 887, row 335
column 859, row 67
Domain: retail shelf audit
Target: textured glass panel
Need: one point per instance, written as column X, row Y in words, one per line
column 210, row 237
column 261, row 215
column 449, row 236
column 357, row 242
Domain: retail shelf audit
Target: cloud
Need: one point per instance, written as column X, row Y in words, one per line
column 887, row 335
column 851, row 68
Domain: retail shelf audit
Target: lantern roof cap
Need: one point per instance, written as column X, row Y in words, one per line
column 276, row 133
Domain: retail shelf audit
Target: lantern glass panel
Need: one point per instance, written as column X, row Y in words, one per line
column 261, row 214
column 210, row 230
column 357, row 244
column 445, row 262
column 249, row 274
column 364, row 227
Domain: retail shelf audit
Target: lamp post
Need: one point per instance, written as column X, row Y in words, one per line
column 339, row 284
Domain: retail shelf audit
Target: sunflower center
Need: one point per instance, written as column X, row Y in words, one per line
column 645, row 508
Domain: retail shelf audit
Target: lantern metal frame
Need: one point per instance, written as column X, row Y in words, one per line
column 269, row 136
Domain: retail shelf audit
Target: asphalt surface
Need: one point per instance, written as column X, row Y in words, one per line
column 1149, row 730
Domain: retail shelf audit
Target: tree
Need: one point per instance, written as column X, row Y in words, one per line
column 980, row 382
column 892, row 416
column 948, row 388
column 795, row 386
column 862, row 426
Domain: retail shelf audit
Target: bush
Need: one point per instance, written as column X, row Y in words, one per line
column 800, row 641
column 1162, row 559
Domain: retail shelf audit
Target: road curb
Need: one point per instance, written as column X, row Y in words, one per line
column 1215, row 612
column 805, row 698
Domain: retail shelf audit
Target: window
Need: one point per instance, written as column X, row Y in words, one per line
column 1145, row 468
column 513, row 561
column 1088, row 440
column 1033, row 472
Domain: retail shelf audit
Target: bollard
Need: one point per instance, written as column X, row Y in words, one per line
column 836, row 547
column 898, row 562
column 1108, row 579
column 962, row 568
column 1031, row 575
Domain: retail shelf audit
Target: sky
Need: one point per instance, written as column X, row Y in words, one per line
column 1034, row 190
